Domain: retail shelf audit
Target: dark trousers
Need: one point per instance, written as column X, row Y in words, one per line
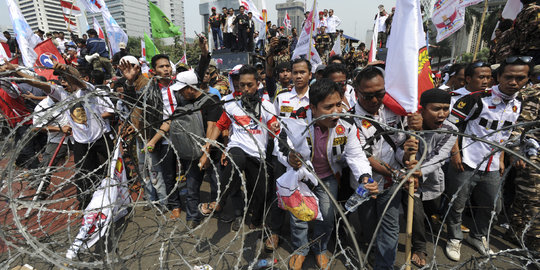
column 229, row 40
column 422, row 213
column 167, row 164
column 255, row 176
column 194, row 179
column 242, row 40
column 87, row 159
column 27, row 157
column 277, row 215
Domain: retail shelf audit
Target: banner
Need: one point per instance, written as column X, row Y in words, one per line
column 465, row 3
column 46, row 53
column 115, row 34
column 448, row 17
column 306, row 44
column 407, row 59
column 162, row 27
column 108, row 205
column 150, row 48
column 26, row 38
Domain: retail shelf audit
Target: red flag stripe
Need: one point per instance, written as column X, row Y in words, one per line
column 69, row 21
column 68, row 5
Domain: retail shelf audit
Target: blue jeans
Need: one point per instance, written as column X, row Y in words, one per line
column 217, row 35
column 386, row 241
column 194, row 179
column 484, row 188
column 321, row 229
column 153, row 178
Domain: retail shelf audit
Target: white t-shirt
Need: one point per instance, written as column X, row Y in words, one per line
column 46, row 115
column 382, row 23
column 83, row 113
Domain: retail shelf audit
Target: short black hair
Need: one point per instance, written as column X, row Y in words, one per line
column 336, row 57
column 283, row 66
column 156, row 57
column 334, row 68
column 518, row 62
column 6, row 33
column 92, row 32
column 321, row 89
column 455, row 69
column 249, row 69
column 301, row 60
column 97, row 76
column 469, row 70
column 368, row 73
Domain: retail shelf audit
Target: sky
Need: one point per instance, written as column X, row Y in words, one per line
column 357, row 15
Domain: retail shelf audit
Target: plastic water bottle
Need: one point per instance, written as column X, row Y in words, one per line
column 360, row 196
column 265, row 263
column 203, row 267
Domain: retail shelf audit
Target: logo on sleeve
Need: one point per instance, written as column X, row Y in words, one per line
column 340, row 130
column 461, row 105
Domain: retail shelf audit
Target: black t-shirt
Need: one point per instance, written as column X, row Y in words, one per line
column 210, row 111
column 242, row 20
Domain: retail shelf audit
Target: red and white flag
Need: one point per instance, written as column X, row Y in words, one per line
column 143, row 48
column 98, row 29
column 287, row 21
column 305, row 45
column 336, row 49
column 69, row 10
column 183, row 60
column 249, row 6
column 47, row 53
column 407, row 59
column 93, row 6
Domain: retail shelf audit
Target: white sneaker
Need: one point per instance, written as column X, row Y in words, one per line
column 481, row 245
column 453, row 249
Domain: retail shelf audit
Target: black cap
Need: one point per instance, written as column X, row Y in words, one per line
column 435, row 95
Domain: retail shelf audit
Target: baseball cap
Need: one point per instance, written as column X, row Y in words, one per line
column 122, row 45
column 183, row 79
column 213, row 8
column 130, row 59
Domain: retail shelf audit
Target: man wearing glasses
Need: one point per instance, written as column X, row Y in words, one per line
column 380, row 147
column 484, row 115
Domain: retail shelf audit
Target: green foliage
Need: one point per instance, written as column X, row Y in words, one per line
column 482, row 55
column 175, row 51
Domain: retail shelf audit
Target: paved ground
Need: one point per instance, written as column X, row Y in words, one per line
column 149, row 240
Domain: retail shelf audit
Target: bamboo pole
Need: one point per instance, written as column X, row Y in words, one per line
column 480, row 30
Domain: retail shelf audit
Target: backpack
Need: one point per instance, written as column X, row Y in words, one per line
column 187, row 132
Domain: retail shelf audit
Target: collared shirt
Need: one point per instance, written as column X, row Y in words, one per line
column 229, row 26
column 457, row 94
column 374, row 144
column 333, row 22
column 287, row 103
column 320, row 157
column 483, row 114
column 382, row 23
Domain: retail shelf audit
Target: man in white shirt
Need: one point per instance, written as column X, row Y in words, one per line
column 381, row 18
column 229, row 29
column 332, row 24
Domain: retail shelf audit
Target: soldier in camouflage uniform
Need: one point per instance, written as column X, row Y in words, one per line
column 526, row 207
column 527, row 29
column 505, row 46
column 218, row 81
column 323, row 44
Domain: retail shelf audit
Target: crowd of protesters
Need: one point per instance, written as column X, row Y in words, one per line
column 247, row 122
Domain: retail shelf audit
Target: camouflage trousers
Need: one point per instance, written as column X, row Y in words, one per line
column 526, row 207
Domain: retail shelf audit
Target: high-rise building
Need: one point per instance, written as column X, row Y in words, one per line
column 45, row 15
column 134, row 17
column 295, row 9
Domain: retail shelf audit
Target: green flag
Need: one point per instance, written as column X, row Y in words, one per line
column 150, row 48
column 162, row 27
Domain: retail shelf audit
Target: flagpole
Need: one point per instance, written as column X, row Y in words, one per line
column 480, row 30
column 311, row 30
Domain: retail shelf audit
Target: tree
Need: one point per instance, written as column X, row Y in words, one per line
column 440, row 50
column 134, row 46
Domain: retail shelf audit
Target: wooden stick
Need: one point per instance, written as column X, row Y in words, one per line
column 480, row 30
column 410, row 212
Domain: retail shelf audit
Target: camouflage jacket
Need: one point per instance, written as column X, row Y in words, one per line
column 527, row 29
column 323, row 42
column 504, row 47
column 530, row 112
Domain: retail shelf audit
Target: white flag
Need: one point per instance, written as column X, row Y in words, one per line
column 512, row 9
column 403, row 49
column 305, row 40
column 108, row 205
column 250, row 7
column 93, row 6
column 336, row 49
column 26, row 38
column 448, row 18
column 114, row 31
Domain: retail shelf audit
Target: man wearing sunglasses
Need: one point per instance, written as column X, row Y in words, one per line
column 477, row 76
column 486, row 115
column 380, row 147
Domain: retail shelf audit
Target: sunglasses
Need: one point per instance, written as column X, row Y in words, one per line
column 342, row 84
column 370, row 96
column 480, row 64
column 514, row 59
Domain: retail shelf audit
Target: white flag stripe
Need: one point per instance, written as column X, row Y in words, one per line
column 26, row 38
column 115, row 33
column 402, row 61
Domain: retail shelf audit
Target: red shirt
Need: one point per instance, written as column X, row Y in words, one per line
column 14, row 109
